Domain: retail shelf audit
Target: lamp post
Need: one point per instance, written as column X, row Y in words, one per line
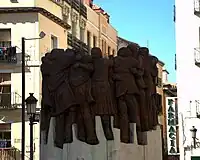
column 194, row 131
column 41, row 35
column 31, row 103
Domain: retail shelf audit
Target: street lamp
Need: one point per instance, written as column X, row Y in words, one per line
column 31, row 103
column 41, row 35
column 194, row 131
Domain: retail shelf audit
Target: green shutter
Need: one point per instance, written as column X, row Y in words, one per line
column 195, row 158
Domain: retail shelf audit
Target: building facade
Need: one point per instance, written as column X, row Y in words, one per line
column 100, row 33
column 170, row 120
column 66, row 24
column 187, row 18
column 25, row 19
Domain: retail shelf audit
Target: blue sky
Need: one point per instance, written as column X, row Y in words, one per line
column 142, row 20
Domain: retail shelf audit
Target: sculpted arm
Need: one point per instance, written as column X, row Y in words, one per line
column 135, row 67
column 154, row 74
column 88, row 66
column 116, row 71
column 111, row 63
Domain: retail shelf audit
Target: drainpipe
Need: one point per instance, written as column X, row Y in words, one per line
column 99, row 31
column 72, row 23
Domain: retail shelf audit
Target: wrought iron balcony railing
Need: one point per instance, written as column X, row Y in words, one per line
column 197, row 7
column 9, row 154
column 76, row 43
column 197, row 56
column 9, row 100
column 78, row 6
column 8, row 56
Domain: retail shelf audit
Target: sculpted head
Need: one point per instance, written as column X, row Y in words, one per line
column 45, row 57
column 79, row 55
column 134, row 48
column 124, row 52
column 96, row 52
column 144, row 51
column 154, row 60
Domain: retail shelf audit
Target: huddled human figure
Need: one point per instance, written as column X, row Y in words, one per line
column 77, row 87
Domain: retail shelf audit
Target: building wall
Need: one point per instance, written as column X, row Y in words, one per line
column 160, row 70
column 186, row 68
column 92, row 25
column 51, row 28
column 121, row 43
column 50, row 6
column 22, row 24
column 16, row 138
column 98, row 26
column 19, row 3
column 29, row 25
column 159, row 89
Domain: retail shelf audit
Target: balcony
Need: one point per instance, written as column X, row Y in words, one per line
column 197, row 7
column 197, row 56
column 9, row 56
column 9, row 101
column 76, row 43
column 78, row 6
column 9, row 154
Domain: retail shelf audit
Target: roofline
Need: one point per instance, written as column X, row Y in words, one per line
column 44, row 12
column 172, row 93
column 165, row 71
column 129, row 42
column 161, row 62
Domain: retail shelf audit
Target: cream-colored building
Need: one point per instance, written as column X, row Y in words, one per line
column 27, row 19
column 65, row 24
column 100, row 33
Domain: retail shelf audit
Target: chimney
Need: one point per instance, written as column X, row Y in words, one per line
column 107, row 16
column 88, row 2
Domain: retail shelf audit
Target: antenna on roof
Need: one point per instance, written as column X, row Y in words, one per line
column 147, row 43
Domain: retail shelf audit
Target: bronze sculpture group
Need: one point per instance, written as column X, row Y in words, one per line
column 77, row 87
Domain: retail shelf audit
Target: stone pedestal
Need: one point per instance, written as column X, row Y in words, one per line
column 105, row 150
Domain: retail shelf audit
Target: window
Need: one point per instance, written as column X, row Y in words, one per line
column 102, row 45
column 94, row 41
column 5, row 37
column 88, row 40
column 5, row 135
column 14, row 1
column 105, row 47
column 82, row 34
column 108, row 50
column 74, row 29
column 113, row 52
column 54, row 42
column 5, row 43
